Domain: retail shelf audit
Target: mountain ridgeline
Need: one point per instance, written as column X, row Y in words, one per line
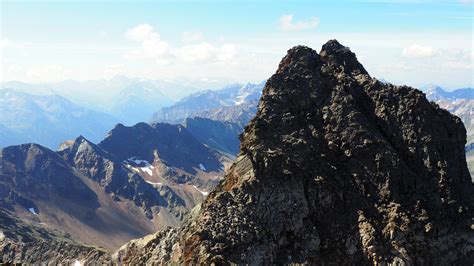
column 136, row 181
column 336, row 168
column 333, row 167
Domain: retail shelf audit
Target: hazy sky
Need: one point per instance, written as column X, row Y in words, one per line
column 403, row 41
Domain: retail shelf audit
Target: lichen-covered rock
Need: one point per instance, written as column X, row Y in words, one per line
column 336, row 168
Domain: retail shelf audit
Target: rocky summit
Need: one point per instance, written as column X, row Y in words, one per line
column 336, row 168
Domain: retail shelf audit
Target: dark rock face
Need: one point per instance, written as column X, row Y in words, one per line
column 221, row 136
column 34, row 171
column 336, row 168
column 172, row 144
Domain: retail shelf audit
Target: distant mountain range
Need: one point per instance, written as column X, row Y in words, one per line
column 224, row 105
column 47, row 119
column 129, row 100
column 43, row 113
column 436, row 93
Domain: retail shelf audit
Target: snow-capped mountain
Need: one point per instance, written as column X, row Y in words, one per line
column 47, row 119
column 209, row 100
column 436, row 93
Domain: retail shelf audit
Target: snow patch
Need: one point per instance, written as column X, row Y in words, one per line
column 204, row 193
column 201, row 166
column 2, row 236
column 138, row 161
column 154, row 184
column 241, row 98
column 32, row 210
column 143, row 165
column 148, row 169
column 78, row 263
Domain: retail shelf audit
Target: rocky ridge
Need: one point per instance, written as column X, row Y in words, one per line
column 336, row 168
column 138, row 180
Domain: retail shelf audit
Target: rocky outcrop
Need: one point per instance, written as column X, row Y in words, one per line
column 336, row 168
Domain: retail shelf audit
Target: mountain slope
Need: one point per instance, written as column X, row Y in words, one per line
column 48, row 119
column 336, row 168
column 38, row 185
column 171, row 144
column 220, row 136
column 137, row 180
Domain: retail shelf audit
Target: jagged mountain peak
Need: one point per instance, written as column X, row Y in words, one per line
column 335, row 168
column 337, row 54
column 298, row 54
column 71, row 149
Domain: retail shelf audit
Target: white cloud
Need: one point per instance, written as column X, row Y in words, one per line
column 103, row 34
column 419, row 51
column 4, row 43
column 196, row 36
column 227, row 52
column 205, row 52
column 287, row 23
column 141, row 32
column 14, row 68
column 151, row 45
column 111, row 71
column 48, row 73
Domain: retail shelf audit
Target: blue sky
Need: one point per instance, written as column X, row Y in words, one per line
column 403, row 41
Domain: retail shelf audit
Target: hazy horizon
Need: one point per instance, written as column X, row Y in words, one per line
column 402, row 41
